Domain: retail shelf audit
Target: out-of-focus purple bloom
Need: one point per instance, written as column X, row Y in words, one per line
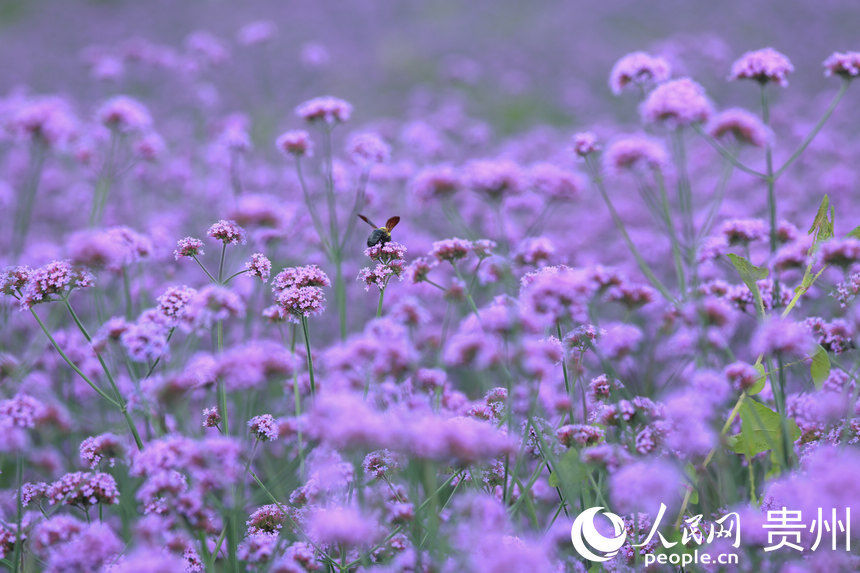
column 554, row 182
column 341, row 526
column 494, row 178
column 367, row 149
column 677, row 103
column 644, row 485
column 585, row 144
column 840, row 252
column 782, row 336
column 256, row 32
column 635, row 151
column 327, row 109
column 297, row 143
column 124, row 114
column 843, row 64
column 638, row 69
column 740, row 125
column 764, row 66
column 436, row 182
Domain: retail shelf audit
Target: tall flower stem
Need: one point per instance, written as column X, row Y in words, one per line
column 469, row 298
column 312, row 209
column 298, row 402
column 90, row 383
column 619, row 225
column 567, row 377
column 27, row 199
column 808, row 139
column 18, row 556
column 770, row 180
column 304, row 320
column 379, row 304
column 334, row 241
column 221, row 263
column 673, row 236
column 222, row 384
column 121, row 403
column 685, row 197
column 105, row 181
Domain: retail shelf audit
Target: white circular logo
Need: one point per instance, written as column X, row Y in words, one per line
column 583, row 531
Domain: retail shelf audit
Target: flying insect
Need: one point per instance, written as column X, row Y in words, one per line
column 380, row 235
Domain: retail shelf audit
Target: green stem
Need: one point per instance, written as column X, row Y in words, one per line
column 304, row 320
column 68, row 361
column 120, row 401
column 221, row 263
column 208, row 274
column 27, row 199
column 769, row 177
column 17, row 556
column 234, row 275
column 717, row 201
column 619, row 225
column 222, row 384
column 315, row 218
column 469, row 298
column 105, row 181
column 673, row 237
column 298, row 402
column 379, row 305
column 830, row 109
column 727, row 154
column 567, row 378
column 684, row 186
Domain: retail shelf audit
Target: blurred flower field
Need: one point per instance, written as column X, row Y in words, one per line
column 294, row 289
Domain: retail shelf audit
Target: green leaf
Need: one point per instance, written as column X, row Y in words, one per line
column 820, row 367
column 569, row 472
column 759, row 383
column 761, row 430
column 854, row 234
column 822, row 225
column 749, row 274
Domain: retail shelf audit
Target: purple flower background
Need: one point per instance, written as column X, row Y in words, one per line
column 614, row 261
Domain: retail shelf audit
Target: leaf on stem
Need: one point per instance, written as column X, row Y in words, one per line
column 761, row 430
column 569, row 473
column 749, row 274
column 759, row 383
column 822, row 224
column 820, row 367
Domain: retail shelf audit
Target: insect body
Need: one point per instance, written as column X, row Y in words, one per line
column 380, row 235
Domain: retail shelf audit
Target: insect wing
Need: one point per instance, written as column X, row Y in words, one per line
column 391, row 223
column 366, row 220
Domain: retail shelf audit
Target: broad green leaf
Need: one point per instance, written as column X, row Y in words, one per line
column 761, row 430
column 569, row 472
column 855, row 233
column 749, row 274
column 820, row 367
column 759, row 383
